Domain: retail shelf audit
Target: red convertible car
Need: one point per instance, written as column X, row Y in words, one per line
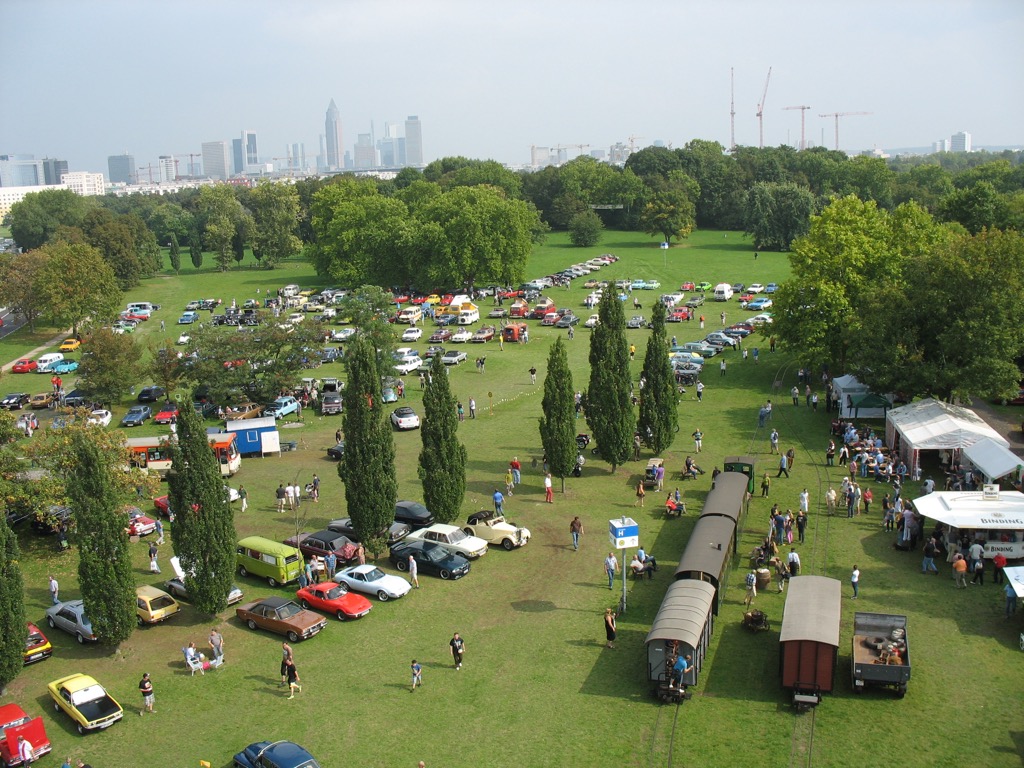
column 687, row 287
column 167, row 414
column 334, row 598
column 139, row 524
column 25, row 366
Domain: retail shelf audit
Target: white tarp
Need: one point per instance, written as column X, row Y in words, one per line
column 992, row 459
column 849, row 389
column 969, row 510
column 1015, row 575
column 930, row 425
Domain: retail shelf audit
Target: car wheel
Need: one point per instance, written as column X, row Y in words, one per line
column 51, row 622
column 445, row 574
column 56, row 707
column 80, row 638
column 242, row 571
column 139, row 621
column 272, row 581
column 293, row 637
column 402, row 565
column 341, row 616
column 382, row 596
column 508, row 545
column 81, row 730
column 251, row 624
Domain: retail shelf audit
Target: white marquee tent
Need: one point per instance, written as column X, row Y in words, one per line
column 992, row 459
column 931, row 425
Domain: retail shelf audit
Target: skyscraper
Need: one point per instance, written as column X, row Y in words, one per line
column 252, row 155
column 960, row 142
column 413, row 142
column 53, row 170
column 332, row 134
column 365, row 153
column 216, row 159
column 121, row 169
column 237, row 156
column 168, row 168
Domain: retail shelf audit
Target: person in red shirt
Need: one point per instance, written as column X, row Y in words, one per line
column 998, row 562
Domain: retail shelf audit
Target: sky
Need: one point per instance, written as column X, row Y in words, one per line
column 81, row 80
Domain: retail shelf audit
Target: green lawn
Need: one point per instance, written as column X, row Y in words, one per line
column 538, row 688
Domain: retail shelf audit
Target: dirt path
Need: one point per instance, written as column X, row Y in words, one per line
column 1007, row 426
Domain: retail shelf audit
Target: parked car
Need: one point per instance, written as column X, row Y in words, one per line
column 461, row 337
column 567, row 321
column 138, row 523
column 414, row 514
column 592, row 321
column 408, row 364
column 719, row 339
column 70, row 617
column 176, row 586
column 636, row 321
column 137, row 416
column 15, row 401
column 14, row 723
column 150, row 394
column 452, row 537
column 679, row 315
column 439, row 337
column 453, row 357
column 405, row 418
column 282, row 407
column 336, row 451
column 282, row 616
column 37, row 648
column 183, row 339
column 688, row 286
column 771, row 288
column 187, row 318
column 85, row 701
column 412, row 334
column 153, row 605
column 343, row 334
column 168, row 414
column 69, row 345
column 495, row 529
column 40, row 401
column 63, row 367
column 276, row 754
column 483, row 334
column 331, row 403
column 242, row 411
column 430, row 558
column 24, row 366
column 322, row 543
column 371, row 580
column 695, row 301
column 432, row 352
column 760, row 304
column 343, row 525
column 703, row 286
column 756, row 288
column 331, row 597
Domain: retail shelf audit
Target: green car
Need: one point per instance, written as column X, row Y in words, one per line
column 704, row 285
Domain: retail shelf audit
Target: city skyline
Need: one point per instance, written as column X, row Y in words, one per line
column 492, row 82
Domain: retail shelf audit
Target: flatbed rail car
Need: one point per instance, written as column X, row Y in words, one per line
column 809, row 640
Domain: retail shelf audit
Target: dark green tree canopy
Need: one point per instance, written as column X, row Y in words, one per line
column 609, row 409
column 442, row 465
column 659, row 418
column 558, row 422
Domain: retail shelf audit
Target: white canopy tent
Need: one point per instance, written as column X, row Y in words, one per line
column 993, row 460
column 931, row 425
column 997, row 521
column 850, row 391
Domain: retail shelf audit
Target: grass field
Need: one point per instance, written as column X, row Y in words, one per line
column 538, row 687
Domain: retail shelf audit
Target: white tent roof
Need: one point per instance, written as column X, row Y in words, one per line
column 991, row 458
column 932, row 425
column 970, row 510
column 849, row 383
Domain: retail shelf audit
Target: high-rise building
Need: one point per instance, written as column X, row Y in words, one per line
column 365, row 153
column 391, row 147
column 252, row 155
column 237, row 156
column 85, row 183
column 332, row 135
column 413, row 142
column 53, row 170
column 167, row 167
column 960, row 142
column 297, row 156
column 942, row 145
column 121, row 169
column 217, row 160
column 21, row 171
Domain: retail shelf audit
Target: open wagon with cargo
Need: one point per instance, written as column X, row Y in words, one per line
column 881, row 654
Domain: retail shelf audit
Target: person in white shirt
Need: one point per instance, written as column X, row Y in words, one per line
column 26, row 751
column 794, row 563
column 805, row 501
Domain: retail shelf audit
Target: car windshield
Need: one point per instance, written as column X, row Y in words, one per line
column 287, row 610
column 456, row 536
column 334, row 593
column 435, row 554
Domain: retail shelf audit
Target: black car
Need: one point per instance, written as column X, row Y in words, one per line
column 336, row 451
column 15, row 401
column 430, row 558
column 413, row 514
column 565, row 321
column 396, row 532
column 76, row 398
column 151, row 394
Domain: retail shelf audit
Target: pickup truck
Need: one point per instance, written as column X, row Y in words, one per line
column 881, row 652
column 85, row 701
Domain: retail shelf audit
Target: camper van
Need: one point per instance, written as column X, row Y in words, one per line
column 723, row 292
column 277, row 563
column 46, row 362
column 468, row 314
column 410, row 315
column 290, row 290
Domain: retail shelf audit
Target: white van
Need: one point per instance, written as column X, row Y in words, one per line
column 145, row 306
column 46, row 362
column 410, row 315
column 290, row 290
column 723, row 292
column 468, row 314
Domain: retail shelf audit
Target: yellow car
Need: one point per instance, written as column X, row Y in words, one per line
column 40, row 401
column 70, row 345
column 85, row 701
column 153, row 605
column 432, row 299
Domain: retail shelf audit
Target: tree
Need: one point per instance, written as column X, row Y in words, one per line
column 238, row 248
column 113, row 238
column 195, row 250
column 722, row 188
column 609, row 409
column 146, row 246
column 104, row 565
column 12, row 607
column 976, row 208
column 485, row 173
column 203, row 534
column 20, row 286
column 175, row 254
column 368, row 465
column 442, row 468
column 76, row 283
column 275, row 214
column 777, row 214
column 35, row 219
column 112, row 366
column 223, row 217
column 558, row 422
column 367, row 308
column 166, row 368
column 669, row 210
column 585, row 229
column 168, row 220
column 659, row 398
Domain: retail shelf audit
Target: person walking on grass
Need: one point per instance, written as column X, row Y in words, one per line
column 611, row 565
column 146, row 689
column 417, row 674
column 576, row 530
column 698, row 439
column 766, row 484
column 294, row 681
column 54, row 590
column 286, row 657
column 855, row 581
column 548, row 490
column 457, row 646
column 414, row 573
column 640, row 494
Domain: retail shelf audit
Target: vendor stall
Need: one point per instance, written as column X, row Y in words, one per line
column 996, row 518
column 993, row 460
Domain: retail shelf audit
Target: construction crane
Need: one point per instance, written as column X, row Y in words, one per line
column 580, row 147
column 837, row 115
column 803, row 112
column 149, row 168
column 632, row 143
column 760, row 111
column 191, row 164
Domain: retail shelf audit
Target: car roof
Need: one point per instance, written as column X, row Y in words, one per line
column 148, row 590
column 274, row 602
column 443, row 528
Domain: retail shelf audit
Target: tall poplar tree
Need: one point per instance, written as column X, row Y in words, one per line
column 659, row 419
column 609, row 410
column 12, row 607
column 368, row 465
column 442, row 467
column 203, row 534
column 558, row 424
column 195, row 250
column 105, row 564
column 175, row 253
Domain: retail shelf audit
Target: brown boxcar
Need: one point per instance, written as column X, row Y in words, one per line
column 810, row 638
